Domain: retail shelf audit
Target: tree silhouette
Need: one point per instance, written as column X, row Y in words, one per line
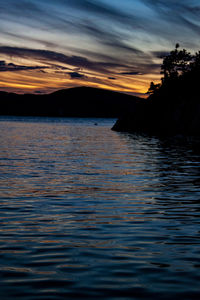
column 181, row 72
column 153, row 88
column 175, row 64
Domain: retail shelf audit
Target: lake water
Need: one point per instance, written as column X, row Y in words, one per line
column 88, row 213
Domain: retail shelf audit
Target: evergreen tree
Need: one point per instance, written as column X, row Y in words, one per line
column 181, row 73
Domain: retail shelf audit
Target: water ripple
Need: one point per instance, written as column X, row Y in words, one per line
column 89, row 213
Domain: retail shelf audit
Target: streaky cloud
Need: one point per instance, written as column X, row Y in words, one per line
column 131, row 73
column 160, row 54
column 76, row 75
column 47, row 55
column 180, row 13
column 102, row 9
column 10, row 67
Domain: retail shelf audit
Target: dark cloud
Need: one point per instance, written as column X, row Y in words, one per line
column 46, row 55
column 142, row 65
column 147, row 67
column 10, row 67
column 160, row 54
column 112, row 78
column 131, row 73
column 76, row 75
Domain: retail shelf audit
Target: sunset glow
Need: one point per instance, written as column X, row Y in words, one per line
column 116, row 45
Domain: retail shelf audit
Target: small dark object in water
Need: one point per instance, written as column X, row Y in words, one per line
column 95, row 124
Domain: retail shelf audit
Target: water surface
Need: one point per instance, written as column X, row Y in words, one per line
column 88, row 213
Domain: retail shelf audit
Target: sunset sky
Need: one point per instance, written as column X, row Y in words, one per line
column 46, row 45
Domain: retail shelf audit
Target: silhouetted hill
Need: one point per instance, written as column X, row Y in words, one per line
column 73, row 102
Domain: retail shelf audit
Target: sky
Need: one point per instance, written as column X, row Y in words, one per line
column 47, row 45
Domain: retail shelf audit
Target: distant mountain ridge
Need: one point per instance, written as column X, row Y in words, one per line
column 73, row 102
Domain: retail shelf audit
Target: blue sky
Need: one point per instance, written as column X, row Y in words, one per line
column 47, row 45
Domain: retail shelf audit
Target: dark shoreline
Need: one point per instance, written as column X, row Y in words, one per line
column 162, row 117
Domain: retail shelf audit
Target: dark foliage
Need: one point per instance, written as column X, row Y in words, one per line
column 173, row 106
column 181, row 71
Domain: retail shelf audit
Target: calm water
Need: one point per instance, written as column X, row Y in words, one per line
column 87, row 213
